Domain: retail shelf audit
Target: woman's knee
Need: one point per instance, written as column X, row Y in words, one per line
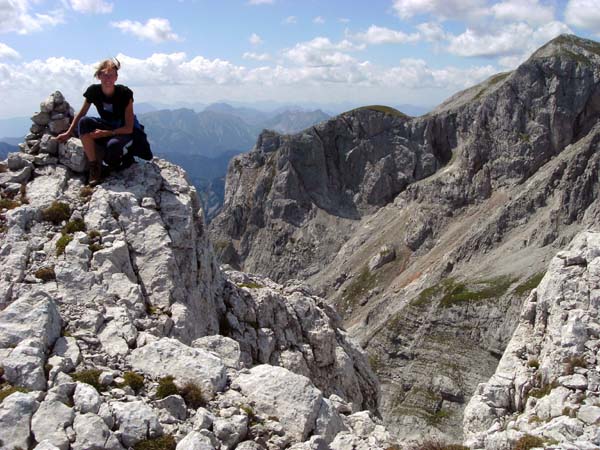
column 86, row 125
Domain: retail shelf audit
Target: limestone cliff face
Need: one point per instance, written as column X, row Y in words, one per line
column 107, row 292
column 501, row 177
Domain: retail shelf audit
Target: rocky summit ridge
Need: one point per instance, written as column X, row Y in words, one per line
column 428, row 234
column 119, row 330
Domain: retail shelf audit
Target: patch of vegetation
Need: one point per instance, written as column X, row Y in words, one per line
column 534, row 419
column 382, row 109
column 86, row 192
column 573, row 362
column 62, row 243
column 569, row 412
column 45, row 273
column 435, row 418
column 7, row 203
column 73, row 226
column 8, row 389
column 250, row 285
column 437, row 445
column 192, row 394
column 528, row 442
column 89, row 376
column 524, row 137
column 543, row 391
column 56, row 213
column 134, row 380
column 529, row 284
column 359, row 287
column 166, row 387
column 166, row 442
column 459, row 293
column 533, row 363
column 375, row 362
column 427, row 295
column 220, row 245
column 23, row 194
column 95, row 247
column 94, row 235
column 491, row 82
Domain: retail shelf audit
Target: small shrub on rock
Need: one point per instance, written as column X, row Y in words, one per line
column 437, row 445
column 166, row 387
column 7, row 203
column 166, row 442
column 192, row 394
column 73, row 226
column 45, row 273
column 56, row 213
column 573, row 362
column 95, row 247
column 89, row 376
column 62, row 243
column 533, row 363
column 86, row 192
column 134, row 380
column 528, row 442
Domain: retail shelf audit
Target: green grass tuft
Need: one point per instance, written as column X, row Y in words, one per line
column 56, row 213
column 166, row 442
column 528, row 442
column 459, row 293
column 166, row 387
column 359, row 287
column 89, row 376
column 62, row 243
column 192, row 394
column 7, row 203
column 73, row 226
column 134, row 380
column 250, row 285
column 7, row 389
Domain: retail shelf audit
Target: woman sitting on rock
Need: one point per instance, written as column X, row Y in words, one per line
column 114, row 129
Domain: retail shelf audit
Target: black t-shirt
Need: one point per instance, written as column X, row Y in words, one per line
column 111, row 109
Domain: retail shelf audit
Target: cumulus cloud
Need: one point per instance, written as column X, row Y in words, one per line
column 256, row 56
column 91, row 6
column 322, row 52
column 16, row 16
column 255, row 39
column 319, row 20
column 7, row 52
column 442, row 9
column 432, row 32
column 513, row 42
column 156, row 29
column 584, row 14
column 530, row 11
column 290, row 20
column 382, row 35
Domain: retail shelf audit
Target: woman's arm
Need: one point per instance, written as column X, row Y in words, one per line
column 82, row 112
column 128, row 127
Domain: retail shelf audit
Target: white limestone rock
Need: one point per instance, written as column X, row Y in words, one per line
column 15, row 419
column 71, row 154
column 225, row 348
column 175, row 405
column 136, row 421
column 92, row 433
column 170, row 357
column 49, row 422
column 277, row 392
column 195, row 441
column 86, row 399
column 589, row 414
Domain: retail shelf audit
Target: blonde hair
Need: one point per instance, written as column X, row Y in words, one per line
column 107, row 64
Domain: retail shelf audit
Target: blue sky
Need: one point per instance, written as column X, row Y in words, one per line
column 296, row 51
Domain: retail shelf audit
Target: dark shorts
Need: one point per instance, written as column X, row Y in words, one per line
column 114, row 145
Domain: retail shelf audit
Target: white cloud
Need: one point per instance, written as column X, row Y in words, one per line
column 530, row 11
column 177, row 77
column 515, row 40
column 290, row 20
column 256, row 56
column 319, row 20
column 261, row 2
column 91, row 6
column 443, row 9
column 156, row 29
column 322, row 52
column 255, row 39
column 7, row 52
column 16, row 16
column 343, row 20
column 432, row 32
column 381, row 35
column 584, row 14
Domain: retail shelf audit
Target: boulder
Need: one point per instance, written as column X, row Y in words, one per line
column 16, row 411
column 49, row 423
column 71, row 154
column 136, row 421
column 92, row 433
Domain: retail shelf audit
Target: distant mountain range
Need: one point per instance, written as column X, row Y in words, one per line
column 5, row 149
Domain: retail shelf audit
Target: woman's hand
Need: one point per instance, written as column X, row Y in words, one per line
column 97, row 134
column 63, row 137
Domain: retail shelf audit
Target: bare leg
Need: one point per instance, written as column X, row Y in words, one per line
column 89, row 147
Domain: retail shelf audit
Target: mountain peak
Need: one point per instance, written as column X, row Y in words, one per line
column 569, row 45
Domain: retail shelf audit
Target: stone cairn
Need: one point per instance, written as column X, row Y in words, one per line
column 54, row 117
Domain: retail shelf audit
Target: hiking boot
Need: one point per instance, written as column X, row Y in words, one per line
column 95, row 173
